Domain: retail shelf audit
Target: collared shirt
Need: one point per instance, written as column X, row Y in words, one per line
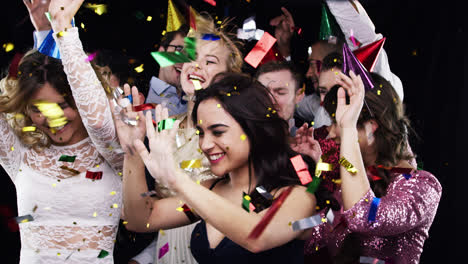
column 309, row 109
column 161, row 92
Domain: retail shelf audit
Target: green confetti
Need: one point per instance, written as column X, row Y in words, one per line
column 166, row 124
column 47, row 14
column 103, row 254
column 165, row 59
column 67, row 158
column 190, row 47
column 314, row 184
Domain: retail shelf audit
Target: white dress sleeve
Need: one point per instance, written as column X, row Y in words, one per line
column 364, row 31
column 90, row 98
column 10, row 148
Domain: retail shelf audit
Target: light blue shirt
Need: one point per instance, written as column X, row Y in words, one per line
column 161, row 92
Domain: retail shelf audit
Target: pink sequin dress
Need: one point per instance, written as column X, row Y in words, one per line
column 401, row 225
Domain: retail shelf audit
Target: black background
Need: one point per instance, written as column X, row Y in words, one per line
column 425, row 44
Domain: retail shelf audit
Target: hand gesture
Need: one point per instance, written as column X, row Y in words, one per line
column 62, row 13
column 306, row 144
column 160, row 160
column 127, row 132
column 347, row 115
column 37, row 10
column 284, row 27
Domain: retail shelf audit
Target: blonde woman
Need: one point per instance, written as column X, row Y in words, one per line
column 66, row 175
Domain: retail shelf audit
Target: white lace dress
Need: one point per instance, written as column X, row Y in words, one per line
column 75, row 218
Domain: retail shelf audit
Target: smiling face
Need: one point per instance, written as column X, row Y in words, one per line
column 284, row 88
column 211, row 59
column 222, row 139
column 73, row 132
column 171, row 74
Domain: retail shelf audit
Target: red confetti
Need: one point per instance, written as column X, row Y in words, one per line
column 258, row 229
column 91, row 57
column 211, row 2
column 262, row 47
column 301, row 169
column 143, row 107
column 94, row 175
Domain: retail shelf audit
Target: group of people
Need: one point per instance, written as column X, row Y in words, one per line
column 222, row 149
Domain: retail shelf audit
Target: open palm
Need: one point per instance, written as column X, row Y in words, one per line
column 305, row 143
column 347, row 114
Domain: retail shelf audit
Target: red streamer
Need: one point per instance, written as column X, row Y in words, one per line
column 258, row 229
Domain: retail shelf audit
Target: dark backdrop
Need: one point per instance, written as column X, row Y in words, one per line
column 425, row 44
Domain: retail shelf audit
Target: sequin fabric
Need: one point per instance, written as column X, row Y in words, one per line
column 331, row 155
column 403, row 219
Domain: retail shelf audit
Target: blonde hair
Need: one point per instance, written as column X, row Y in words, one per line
column 34, row 70
column 206, row 25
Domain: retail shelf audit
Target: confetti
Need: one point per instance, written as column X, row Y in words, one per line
column 8, row 47
column 211, row 37
column 163, row 250
column 197, row 84
column 191, row 164
column 24, row 219
column 373, row 209
column 313, row 185
column 353, row 39
column 246, row 202
column 301, row 169
column 165, row 59
column 113, row 193
column 67, row 158
column 166, row 124
column 348, row 166
column 243, row 137
column 322, row 166
column 70, row 169
column 28, row 129
column 260, row 49
column 258, row 229
column 139, row 68
column 211, row 2
column 94, row 175
column 149, row 18
column 263, row 192
column 143, row 107
column 91, row 56
column 103, row 254
column 97, row 8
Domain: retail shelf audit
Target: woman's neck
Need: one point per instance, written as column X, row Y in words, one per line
column 239, row 178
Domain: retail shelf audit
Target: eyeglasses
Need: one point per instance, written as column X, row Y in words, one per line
column 178, row 48
column 317, row 64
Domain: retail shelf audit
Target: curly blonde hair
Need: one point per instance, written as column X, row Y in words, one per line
column 34, row 70
column 206, row 25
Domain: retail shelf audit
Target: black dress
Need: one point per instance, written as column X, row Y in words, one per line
column 229, row 252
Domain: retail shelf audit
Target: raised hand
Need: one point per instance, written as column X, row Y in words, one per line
column 347, row 115
column 160, row 160
column 284, row 28
column 306, row 144
column 127, row 133
column 37, row 10
column 62, row 12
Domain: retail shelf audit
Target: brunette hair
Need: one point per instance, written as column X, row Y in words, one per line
column 275, row 66
column 383, row 106
column 251, row 105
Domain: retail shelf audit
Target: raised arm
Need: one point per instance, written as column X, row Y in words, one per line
column 350, row 15
column 230, row 219
column 10, row 148
column 87, row 90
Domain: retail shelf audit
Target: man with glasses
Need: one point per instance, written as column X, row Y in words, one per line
column 165, row 89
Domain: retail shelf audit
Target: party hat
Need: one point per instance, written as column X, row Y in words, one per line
column 174, row 18
column 329, row 28
column 350, row 62
column 368, row 54
column 49, row 47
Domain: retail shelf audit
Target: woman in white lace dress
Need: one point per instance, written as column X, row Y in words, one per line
column 73, row 204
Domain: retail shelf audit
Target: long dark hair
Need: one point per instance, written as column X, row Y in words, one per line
column 382, row 105
column 251, row 105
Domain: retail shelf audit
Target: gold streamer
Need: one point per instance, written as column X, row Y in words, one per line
column 348, row 166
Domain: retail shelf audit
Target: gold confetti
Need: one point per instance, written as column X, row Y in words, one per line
column 34, row 209
column 324, row 220
column 163, row 32
column 348, row 166
column 197, row 132
column 58, row 254
column 147, row 225
column 228, row 94
column 115, row 206
column 139, row 68
column 82, row 25
column 12, row 148
column 8, row 47
column 200, row 121
column 54, row 185
column 161, row 232
column 125, row 222
column 149, row 18
column 273, row 112
column 267, row 115
column 312, row 123
column 97, row 8
column 94, row 214
column 120, row 173
column 198, row 182
column 379, row 92
column 243, row 137
column 218, row 105
column 113, row 193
